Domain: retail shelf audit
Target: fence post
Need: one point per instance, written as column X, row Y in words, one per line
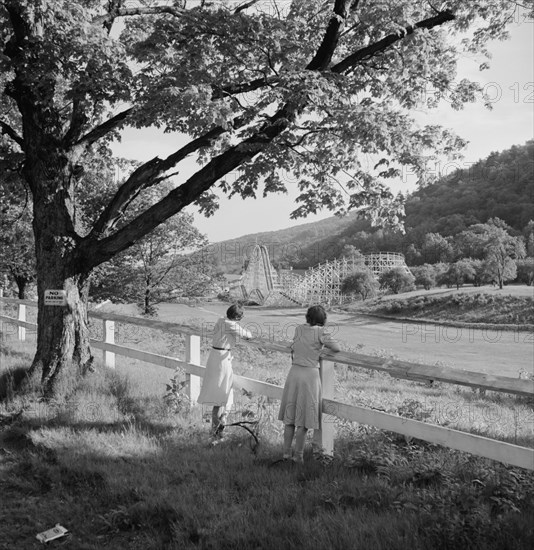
column 2, row 337
column 192, row 355
column 22, row 317
column 323, row 439
column 109, row 338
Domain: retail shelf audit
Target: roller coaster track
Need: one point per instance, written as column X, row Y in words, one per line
column 267, row 268
column 320, row 284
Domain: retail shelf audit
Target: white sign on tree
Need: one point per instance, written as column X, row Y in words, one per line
column 55, row 298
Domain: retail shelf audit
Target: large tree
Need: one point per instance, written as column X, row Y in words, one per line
column 260, row 89
column 492, row 242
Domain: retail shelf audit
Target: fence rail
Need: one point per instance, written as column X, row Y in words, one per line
column 507, row 453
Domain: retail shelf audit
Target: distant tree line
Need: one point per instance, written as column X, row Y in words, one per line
column 482, row 254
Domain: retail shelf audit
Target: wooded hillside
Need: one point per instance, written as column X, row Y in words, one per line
column 500, row 186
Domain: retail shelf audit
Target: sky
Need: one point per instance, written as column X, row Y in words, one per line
column 509, row 83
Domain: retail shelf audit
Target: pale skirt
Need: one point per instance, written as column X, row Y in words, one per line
column 217, row 384
column 301, row 400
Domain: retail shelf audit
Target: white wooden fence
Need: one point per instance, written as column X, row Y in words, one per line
column 507, row 453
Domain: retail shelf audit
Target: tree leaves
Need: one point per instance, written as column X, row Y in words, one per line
column 241, row 74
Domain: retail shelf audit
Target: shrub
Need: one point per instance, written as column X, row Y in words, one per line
column 360, row 282
column 458, row 273
column 397, row 280
column 425, row 276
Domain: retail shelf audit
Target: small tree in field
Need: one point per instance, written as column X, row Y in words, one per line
column 425, row 276
column 458, row 273
column 396, row 280
column 500, row 270
column 145, row 273
column 360, row 282
column 256, row 90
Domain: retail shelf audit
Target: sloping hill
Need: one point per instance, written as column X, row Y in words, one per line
column 502, row 185
column 285, row 246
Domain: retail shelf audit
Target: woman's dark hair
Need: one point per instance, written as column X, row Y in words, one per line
column 235, row 312
column 316, row 315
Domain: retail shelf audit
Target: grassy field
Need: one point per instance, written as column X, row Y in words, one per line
column 467, row 305
column 121, row 466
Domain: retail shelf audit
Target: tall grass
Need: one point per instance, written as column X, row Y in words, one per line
column 120, row 468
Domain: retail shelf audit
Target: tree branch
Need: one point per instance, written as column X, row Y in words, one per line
column 113, row 6
column 329, row 43
column 116, row 11
column 245, row 6
column 326, row 50
column 6, row 129
column 20, row 27
column 145, row 176
column 108, row 126
column 78, row 119
column 92, row 252
column 320, row 61
column 243, row 87
column 378, row 47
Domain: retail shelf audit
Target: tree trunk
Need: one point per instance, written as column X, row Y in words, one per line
column 500, row 277
column 21, row 285
column 147, row 300
column 63, row 353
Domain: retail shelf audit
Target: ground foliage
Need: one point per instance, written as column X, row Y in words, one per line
column 123, row 468
column 302, row 88
column 476, row 307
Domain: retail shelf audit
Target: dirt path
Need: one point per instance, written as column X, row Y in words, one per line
column 495, row 352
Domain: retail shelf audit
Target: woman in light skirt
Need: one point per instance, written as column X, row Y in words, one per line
column 301, row 401
column 217, row 384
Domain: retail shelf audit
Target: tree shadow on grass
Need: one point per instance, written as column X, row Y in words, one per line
column 11, row 379
column 11, row 352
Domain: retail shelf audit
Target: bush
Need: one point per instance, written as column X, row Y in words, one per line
column 458, row 273
column 360, row 282
column 397, row 280
column 425, row 276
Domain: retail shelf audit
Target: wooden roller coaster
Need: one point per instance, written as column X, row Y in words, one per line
column 319, row 285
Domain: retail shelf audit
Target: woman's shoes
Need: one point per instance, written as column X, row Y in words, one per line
column 298, row 458
column 217, row 436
